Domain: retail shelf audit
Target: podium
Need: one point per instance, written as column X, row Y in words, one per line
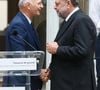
column 20, row 64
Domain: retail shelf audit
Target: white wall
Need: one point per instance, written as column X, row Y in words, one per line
column 3, row 14
column 94, row 12
column 51, row 30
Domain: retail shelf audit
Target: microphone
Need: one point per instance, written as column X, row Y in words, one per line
column 15, row 33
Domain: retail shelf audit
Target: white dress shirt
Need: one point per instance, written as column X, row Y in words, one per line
column 67, row 18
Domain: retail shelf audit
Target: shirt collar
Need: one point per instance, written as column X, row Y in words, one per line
column 28, row 19
column 76, row 9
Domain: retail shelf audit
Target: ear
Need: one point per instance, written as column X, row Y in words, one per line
column 27, row 5
column 68, row 2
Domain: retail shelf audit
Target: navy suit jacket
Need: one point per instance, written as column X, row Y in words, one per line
column 25, row 30
column 18, row 31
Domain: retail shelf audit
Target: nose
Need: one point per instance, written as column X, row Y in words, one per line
column 42, row 6
column 55, row 7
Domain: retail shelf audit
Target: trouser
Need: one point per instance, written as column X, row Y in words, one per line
column 98, row 83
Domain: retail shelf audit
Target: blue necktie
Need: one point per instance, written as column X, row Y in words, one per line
column 36, row 36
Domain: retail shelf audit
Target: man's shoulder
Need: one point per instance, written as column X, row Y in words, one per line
column 17, row 21
column 82, row 16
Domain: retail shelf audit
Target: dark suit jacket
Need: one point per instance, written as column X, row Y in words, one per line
column 98, row 55
column 72, row 67
column 21, row 27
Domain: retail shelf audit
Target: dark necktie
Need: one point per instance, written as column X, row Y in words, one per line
column 61, row 25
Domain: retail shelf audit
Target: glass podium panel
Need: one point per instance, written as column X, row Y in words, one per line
column 17, row 68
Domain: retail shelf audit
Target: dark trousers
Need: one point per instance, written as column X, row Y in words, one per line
column 98, row 83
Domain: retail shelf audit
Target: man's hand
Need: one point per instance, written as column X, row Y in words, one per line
column 52, row 47
column 45, row 75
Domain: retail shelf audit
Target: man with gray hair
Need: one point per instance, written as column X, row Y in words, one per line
column 21, row 26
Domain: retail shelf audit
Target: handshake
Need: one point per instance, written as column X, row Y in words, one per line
column 45, row 75
column 52, row 49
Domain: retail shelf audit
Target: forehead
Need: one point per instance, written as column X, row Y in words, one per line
column 59, row 1
column 36, row 1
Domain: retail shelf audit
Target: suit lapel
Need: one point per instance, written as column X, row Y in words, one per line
column 62, row 29
column 35, row 36
column 32, row 32
column 65, row 26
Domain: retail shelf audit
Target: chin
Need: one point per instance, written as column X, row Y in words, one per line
column 38, row 13
column 61, row 16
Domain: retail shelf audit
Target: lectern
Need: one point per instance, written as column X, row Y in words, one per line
column 20, row 64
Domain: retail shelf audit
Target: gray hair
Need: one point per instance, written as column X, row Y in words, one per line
column 22, row 2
